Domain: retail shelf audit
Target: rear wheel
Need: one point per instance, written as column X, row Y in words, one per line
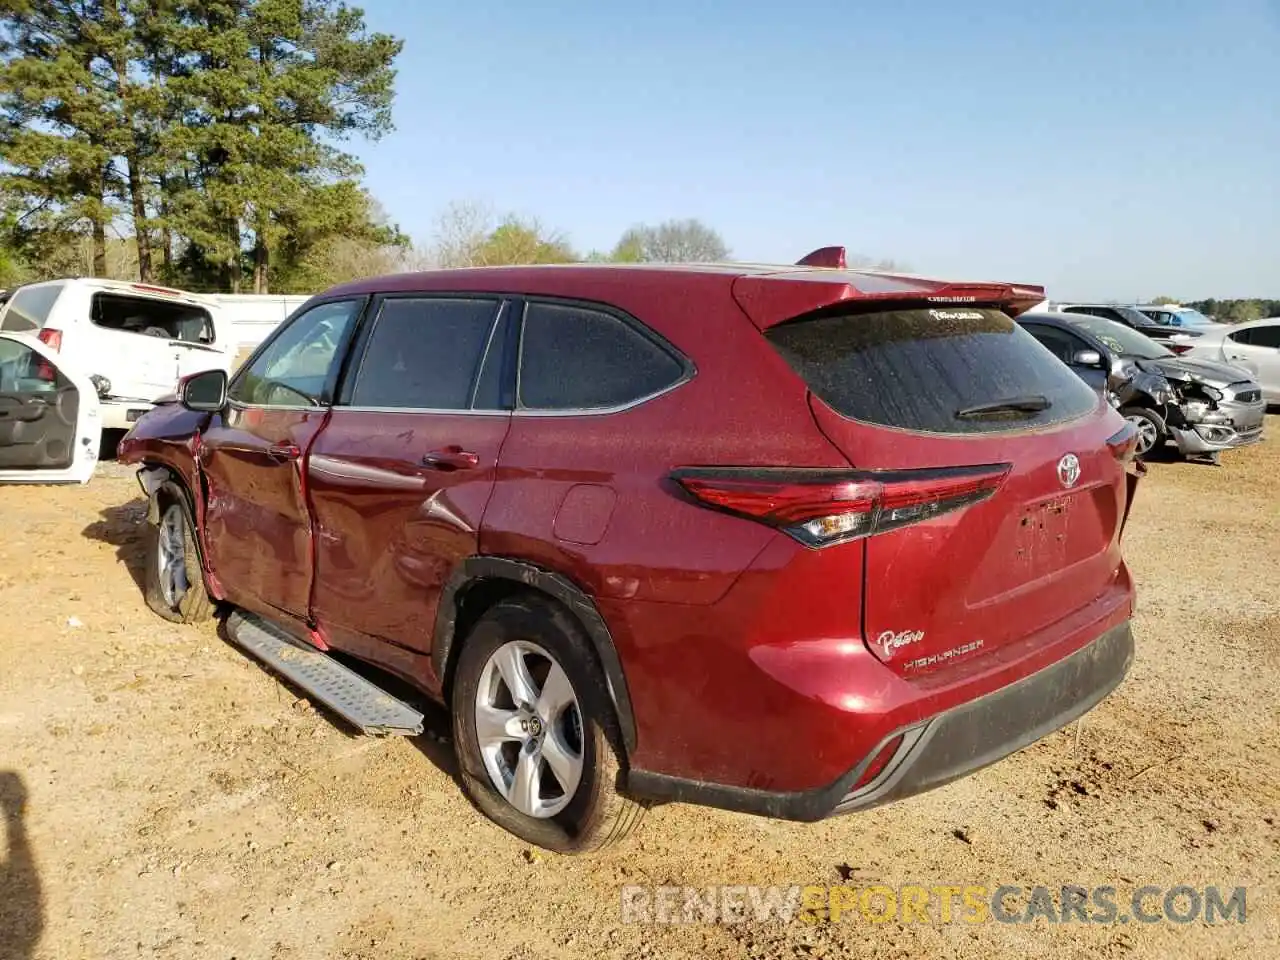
column 534, row 730
column 1150, row 426
column 174, row 581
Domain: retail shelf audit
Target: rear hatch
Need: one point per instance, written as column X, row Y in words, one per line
column 1005, row 511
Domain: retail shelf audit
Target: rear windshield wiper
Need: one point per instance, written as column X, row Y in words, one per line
column 1032, row 403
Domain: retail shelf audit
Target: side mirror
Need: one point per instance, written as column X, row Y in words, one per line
column 1087, row 358
column 204, row 392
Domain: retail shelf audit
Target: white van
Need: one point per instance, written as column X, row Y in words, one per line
column 133, row 340
column 251, row 317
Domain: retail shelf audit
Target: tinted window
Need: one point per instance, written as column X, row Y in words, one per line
column 295, row 366
column 22, row 370
column 1063, row 345
column 928, row 369
column 575, row 358
column 1268, row 336
column 30, row 308
column 424, row 353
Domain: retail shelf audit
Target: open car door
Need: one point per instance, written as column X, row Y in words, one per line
column 50, row 423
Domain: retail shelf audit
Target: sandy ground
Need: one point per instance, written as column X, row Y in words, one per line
column 180, row 802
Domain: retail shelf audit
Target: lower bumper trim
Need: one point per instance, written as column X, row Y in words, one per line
column 944, row 748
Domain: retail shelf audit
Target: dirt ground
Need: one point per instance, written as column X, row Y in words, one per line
column 180, row 802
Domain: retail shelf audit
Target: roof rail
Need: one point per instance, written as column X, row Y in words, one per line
column 824, row 257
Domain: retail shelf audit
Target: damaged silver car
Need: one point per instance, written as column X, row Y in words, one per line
column 1209, row 406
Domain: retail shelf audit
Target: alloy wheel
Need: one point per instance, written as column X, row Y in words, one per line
column 1147, row 434
column 172, row 547
column 529, row 727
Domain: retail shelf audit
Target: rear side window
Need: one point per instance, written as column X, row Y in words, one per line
column 1268, row 336
column 29, row 308
column 577, row 358
column 152, row 318
column 932, row 370
column 424, row 353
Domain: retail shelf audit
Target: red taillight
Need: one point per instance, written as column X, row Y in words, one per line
column 1180, row 348
column 52, row 339
column 823, row 507
column 1124, row 442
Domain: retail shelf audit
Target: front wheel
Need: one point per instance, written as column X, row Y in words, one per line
column 174, row 581
column 1150, row 426
column 534, row 730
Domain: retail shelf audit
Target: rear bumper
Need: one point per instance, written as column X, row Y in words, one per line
column 945, row 747
column 123, row 414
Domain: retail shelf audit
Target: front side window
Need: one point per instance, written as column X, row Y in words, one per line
column 579, row 358
column 22, row 370
column 294, row 368
column 1063, row 345
column 426, row 353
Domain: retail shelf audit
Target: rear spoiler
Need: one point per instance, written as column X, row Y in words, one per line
column 822, row 279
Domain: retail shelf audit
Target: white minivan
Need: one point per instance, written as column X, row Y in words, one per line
column 134, row 341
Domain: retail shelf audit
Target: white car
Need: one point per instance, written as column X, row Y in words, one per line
column 50, row 419
column 1252, row 346
column 134, row 341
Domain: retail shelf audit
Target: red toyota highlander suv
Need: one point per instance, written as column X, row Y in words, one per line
column 794, row 541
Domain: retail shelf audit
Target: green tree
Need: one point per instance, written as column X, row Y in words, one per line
column 214, row 126
column 517, row 241
column 60, row 122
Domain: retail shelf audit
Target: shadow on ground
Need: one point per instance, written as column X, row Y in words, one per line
column 124, row 527
column 435, row 742
column 21, row 900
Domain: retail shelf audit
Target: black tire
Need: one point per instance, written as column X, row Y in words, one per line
column 1152, row 418
column 597, row 814
column 192, row 604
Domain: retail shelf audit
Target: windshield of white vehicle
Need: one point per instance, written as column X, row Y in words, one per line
column 1121, row 339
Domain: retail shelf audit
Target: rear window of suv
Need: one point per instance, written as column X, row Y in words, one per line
column 29, row 307
column 932, row 370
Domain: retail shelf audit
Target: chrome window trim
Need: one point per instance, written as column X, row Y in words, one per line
column 442, row 411
column 602, row 411
column 310, row 408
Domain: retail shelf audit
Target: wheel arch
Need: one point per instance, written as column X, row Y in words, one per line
column 163, row 482
column 480, row 582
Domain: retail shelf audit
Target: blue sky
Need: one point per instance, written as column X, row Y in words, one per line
column 1105, row 148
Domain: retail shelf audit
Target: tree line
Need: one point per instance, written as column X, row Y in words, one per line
column 201, row 143
column 1237, row 311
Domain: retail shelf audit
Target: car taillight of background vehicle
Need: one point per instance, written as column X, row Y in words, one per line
column 1180, row 348
column 820, row 508
column 52, row 339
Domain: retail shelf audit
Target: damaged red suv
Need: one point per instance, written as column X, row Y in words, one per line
column 794, row 541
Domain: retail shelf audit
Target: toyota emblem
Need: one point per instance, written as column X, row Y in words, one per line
column 1069, row 470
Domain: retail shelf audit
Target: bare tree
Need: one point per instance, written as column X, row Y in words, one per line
column 675, row 241
column 461, row 232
